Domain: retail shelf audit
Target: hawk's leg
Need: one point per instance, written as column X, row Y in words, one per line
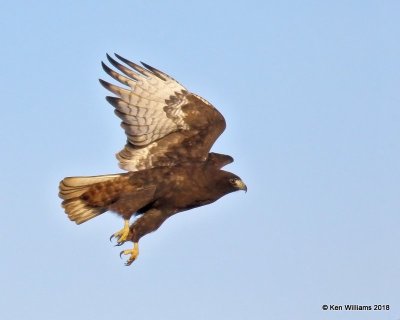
column 148, row 222
column 132, row 252
column 122, row 235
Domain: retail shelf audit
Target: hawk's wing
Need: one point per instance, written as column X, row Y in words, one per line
column 164, row 123
column 219, row 160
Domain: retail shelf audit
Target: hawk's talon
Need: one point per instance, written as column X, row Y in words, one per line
column 121, row 235
column 132, row 252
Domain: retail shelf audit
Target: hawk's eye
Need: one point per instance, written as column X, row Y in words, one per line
column 233, row 180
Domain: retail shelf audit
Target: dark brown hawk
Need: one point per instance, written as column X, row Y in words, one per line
column 170, row 133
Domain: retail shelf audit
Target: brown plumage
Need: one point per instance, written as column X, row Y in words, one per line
column 170, row 132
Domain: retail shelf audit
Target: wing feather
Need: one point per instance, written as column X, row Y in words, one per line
column 124, row 69
column 134, row 66
column 117, row 76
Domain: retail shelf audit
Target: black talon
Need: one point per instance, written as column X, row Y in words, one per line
column 118, row 244
column 121, row 253
column 112, row 236
column 129, row 262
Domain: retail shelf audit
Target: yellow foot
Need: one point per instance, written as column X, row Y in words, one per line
column 133, row 252
column 121, row 235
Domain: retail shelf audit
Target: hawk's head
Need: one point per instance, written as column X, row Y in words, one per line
column 238, row 184
column 226, row 182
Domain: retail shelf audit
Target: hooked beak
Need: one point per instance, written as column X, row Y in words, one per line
column 241, row 185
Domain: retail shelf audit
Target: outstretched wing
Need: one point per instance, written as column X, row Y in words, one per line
column 164, row 123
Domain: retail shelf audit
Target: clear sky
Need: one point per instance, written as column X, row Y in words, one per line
column 311, row 93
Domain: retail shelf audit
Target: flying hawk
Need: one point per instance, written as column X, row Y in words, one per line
column 170, row 132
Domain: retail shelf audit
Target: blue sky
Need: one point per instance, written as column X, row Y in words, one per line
column 310, row 92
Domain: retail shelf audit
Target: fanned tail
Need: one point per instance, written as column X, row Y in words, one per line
column 71, row 191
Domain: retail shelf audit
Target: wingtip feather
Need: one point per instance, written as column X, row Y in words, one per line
column 104, row 83
column 158, row 73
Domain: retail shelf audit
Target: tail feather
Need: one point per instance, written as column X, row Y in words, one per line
column 71, row 190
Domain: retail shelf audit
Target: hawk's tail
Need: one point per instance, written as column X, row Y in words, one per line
column 71, row 191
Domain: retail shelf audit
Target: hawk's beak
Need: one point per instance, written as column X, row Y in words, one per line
column 241, row 185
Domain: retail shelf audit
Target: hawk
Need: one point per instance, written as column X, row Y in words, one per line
column 170, row 132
